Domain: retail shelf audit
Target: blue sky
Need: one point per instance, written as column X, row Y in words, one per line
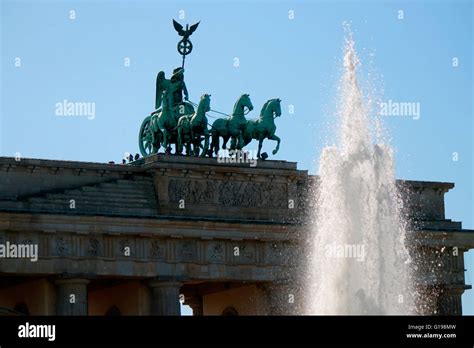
column 297, row 60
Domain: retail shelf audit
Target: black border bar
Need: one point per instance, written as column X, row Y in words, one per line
column 347, row 330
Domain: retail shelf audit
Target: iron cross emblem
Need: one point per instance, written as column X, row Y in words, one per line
column 185, row 46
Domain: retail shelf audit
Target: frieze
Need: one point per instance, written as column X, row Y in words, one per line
column 229, row 193
column 93, row 247
column 186, row 250
column 62, row 246
column 159, row 249
column 215, row 252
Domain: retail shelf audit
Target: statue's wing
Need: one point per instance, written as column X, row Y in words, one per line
column 178, row 27
column 193, row 27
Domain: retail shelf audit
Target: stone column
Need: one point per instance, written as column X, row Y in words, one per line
column 72, row 296
column 165, row 297
column 195, row 302
column 281, row 299
column 449, row 301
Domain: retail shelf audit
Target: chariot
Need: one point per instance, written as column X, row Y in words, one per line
column 178, row 121
column 150, row 139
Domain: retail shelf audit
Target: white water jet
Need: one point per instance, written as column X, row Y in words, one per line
column 359, row 262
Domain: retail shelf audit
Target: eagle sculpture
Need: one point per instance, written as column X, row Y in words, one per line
column 185, row 33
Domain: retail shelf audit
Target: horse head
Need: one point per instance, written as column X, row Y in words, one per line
column 246, row 102
column 277, row 107
column 272, row 106
column 206, row 102
column 242, row 103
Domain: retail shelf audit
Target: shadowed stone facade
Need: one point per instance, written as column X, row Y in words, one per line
column 226, row 239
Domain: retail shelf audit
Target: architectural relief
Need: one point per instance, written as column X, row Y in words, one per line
column 229, row 193
column 157, row 249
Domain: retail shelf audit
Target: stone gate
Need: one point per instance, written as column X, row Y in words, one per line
column 226, row 239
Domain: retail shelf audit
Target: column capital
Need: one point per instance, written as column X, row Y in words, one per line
column 155, row 283
column 165, row 281
column 69, row 275
column 72, row 281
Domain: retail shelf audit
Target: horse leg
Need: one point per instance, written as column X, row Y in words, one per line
column 179, row 148
column 197, row 147
column 240, row 144
column 165, row 139
column 188, row 148
column 214, row 143
column 233, row 143
column 176, row 148
column 277, row 139
column 206, row 144
column 175, row 144
column 156, row 142
column 159, row 142
column 153, row 142
column 260, row 143
column 225, row 139
column 191, row 142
